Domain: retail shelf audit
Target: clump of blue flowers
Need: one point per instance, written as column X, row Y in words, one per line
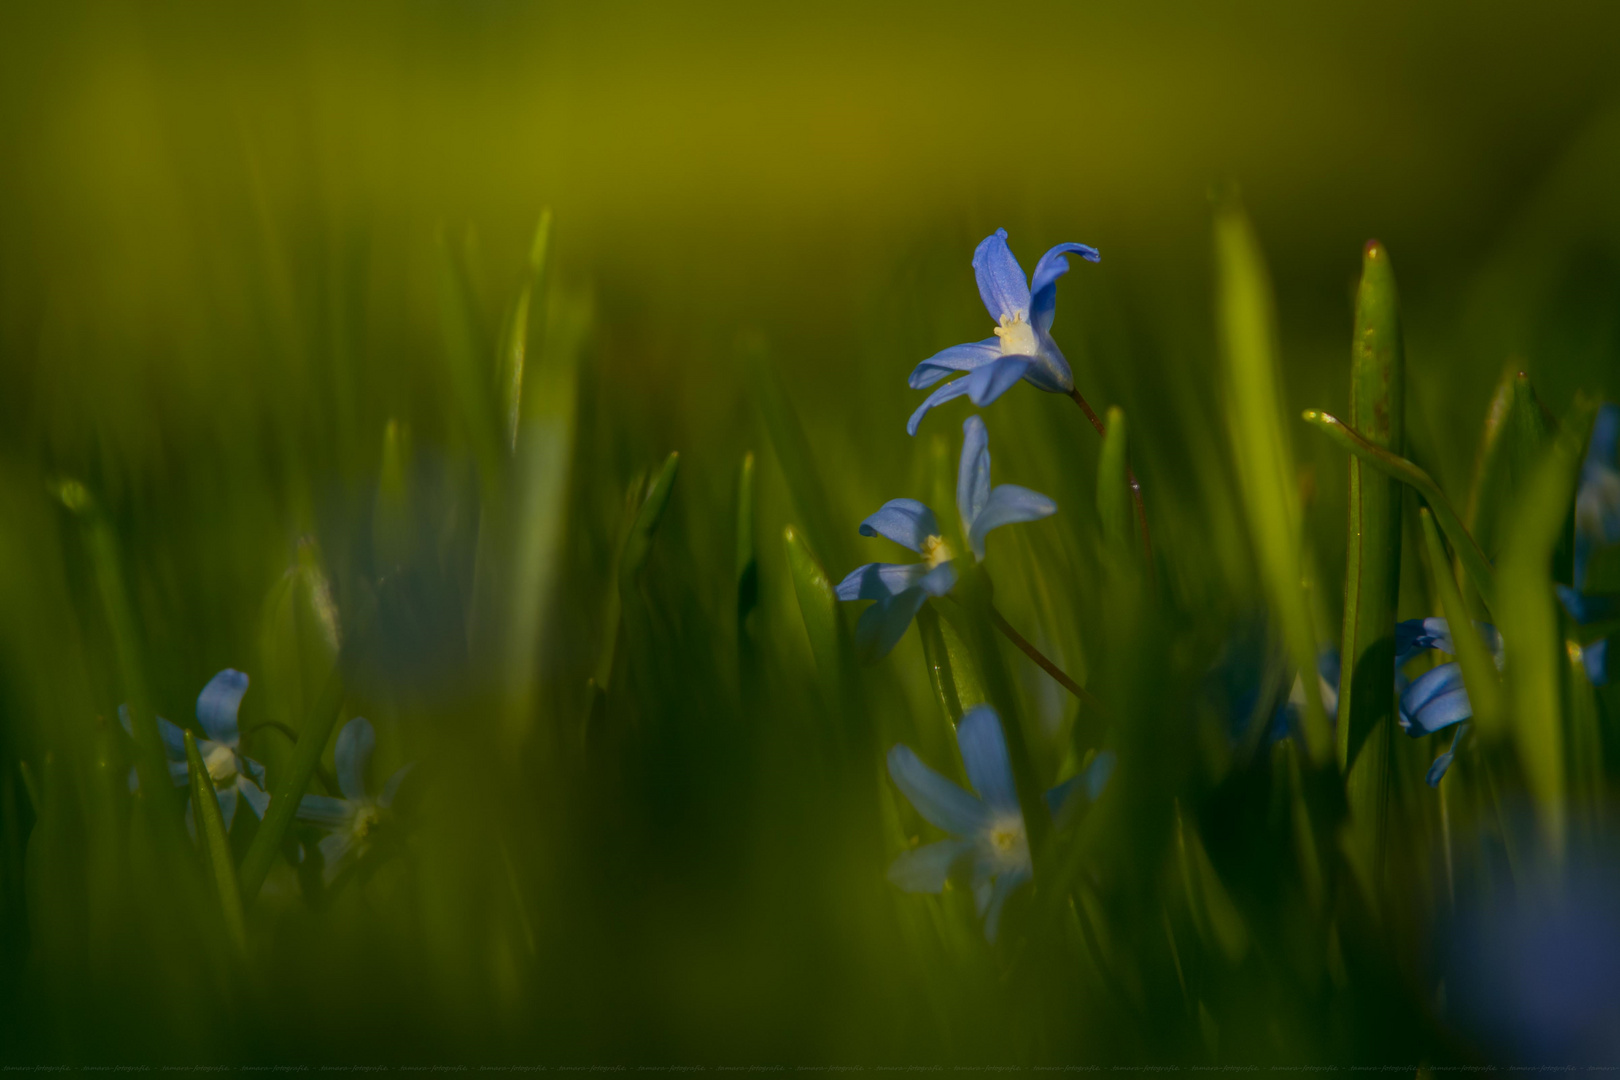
column 899, row 589
column 352, row 821
column 987, row 829
column 232, row 774
column 1022, row 347
column 1436, row 699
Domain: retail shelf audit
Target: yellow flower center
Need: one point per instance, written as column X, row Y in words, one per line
column 221, row 764
column 935, row 551
column 365, row 822
column 1017, row 336
column 1008, row 843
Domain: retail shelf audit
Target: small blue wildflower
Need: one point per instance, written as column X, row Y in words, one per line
column 987, row 832
column 1597, row 525
column 900, row 589
column 1022, row 347
column 353, row 819
column 231, row 773
column 1436, row 699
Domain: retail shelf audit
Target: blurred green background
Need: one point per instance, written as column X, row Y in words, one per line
column 223, row 240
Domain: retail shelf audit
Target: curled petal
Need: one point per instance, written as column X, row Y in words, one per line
column 1434, row 701
column 956, row 358
column 1002, row 284
column 878, row 581
column 984, row 754
column 905, row 521
column 217, row 705
column 1009, row 504
column 973, row 472
column 1043, row 288
column 940, row 802
column 883, row 624
column 926, row 868
column 352, row 755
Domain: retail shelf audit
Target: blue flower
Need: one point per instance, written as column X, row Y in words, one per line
column 1436, row 699
column 987, row 832
column 1597, row 525
column 900, row 589
column 1022, row 347
column 352, row 821
column 231, row 773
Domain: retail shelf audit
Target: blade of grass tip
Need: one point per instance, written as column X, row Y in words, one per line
column 829, row 637
column 151, row 766
column 973, row 589
column 1475, row 564
column 519, row 333
column 289, row 789
column 1373, row 554
column 1528, row 615
column 633, row 562
column 216, row 845
column 1247, row 325
column 796, row 458
column 1113, row 489
column 1516, row 431
column 1480, row 678
column 390, row 517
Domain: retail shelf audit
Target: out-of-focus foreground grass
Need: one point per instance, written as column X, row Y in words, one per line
column 259, row 279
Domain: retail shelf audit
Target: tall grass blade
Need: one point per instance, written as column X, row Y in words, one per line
column 216, row 845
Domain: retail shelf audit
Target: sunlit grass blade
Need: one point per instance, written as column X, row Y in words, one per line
column 300, row 637
column 1528, row 617
column 289, row 787
column 1247, row 328
column 823, row 625
column 1477, row 566
column 941, row 673
column 1113, row 485
column 1373, row 552
column 215, row 844
column 522, row 328
column 1478, row 668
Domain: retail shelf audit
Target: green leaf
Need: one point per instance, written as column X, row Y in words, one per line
column 1478, row 667
column 290, row 787
column 1260, row 447
column 300, row 636
column 1113, row 486
column 515, row 346
column 1516, row 433
column 1528, row 618
column 1373, row 553
column 818, row 607
column 941, row 673
column 1475, row 564
column 216, row 844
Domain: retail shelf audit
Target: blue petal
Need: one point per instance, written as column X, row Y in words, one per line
column 1443, row 762
column 879, row 581
column 1009, row 504
column 956, row 358
column 1051, row 371
column 352, row 755
column 1002, row 284
column 905, row 521
column 926, row 868
column 940, row 580
column 324, row 810
column 227, row 805
column 1417, row 635
column 1003, row 888
column 982, row 386
column 984, row 753
column 179, row 772
column 883, row 624
column 335, row 848
column 257, row 798
column 251, row 768
column 1595, row 656
column 940, row 802
column 1043, row 289
column 217, row 705
column 1435, row 700
column 174, row 739
column 391, row 789
column 973, row 471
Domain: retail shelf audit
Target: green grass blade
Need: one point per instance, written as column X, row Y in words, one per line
column 936, row 654
column 818, row 607
column 638, row 545
column 1478, row 668
column 1475, row 564
column 1247, row 326
column 1113, row 485
column 1528, row 617
column 745, row 571
column 1373, row 553
column 1517, row 431
column 216, row 845
column 468, row 351
column 289, row 788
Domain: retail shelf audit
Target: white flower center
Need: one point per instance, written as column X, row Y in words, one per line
column 1008, row 844
column 221, row 764
column 365, row 822
column 936, row 551
column 1017, row 336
